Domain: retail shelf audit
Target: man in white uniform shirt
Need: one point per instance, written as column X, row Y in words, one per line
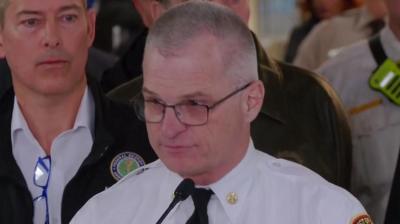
column 375, row 120
column 200, row 93
column 330, row 36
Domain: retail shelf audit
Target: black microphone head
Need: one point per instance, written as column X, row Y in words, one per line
column 184, row 189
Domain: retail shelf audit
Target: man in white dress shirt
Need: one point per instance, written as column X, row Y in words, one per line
column 61, row 140
column 374, row 117
column 200, row 93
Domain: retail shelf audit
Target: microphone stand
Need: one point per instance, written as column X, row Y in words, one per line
column 184, row 189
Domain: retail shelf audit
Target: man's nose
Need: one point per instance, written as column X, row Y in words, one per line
column 52, row 36
column 170, row 125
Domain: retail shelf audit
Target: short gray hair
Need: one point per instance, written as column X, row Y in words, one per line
column 3, row 6
column 174, row 30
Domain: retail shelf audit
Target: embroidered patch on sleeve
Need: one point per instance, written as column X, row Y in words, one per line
column 124, row 163
column 362, row 219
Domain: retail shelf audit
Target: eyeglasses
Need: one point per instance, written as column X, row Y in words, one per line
column 188, row 113
column 41, row 179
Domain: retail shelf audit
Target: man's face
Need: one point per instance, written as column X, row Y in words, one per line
column 143, row 7
column 325, row 9
column 393, row 9
column 240, row 7
column 195, row 75
column 46, row 44
column 150, row 10
column 377, row 8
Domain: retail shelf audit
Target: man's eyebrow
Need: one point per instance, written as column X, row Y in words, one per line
column 28, row 12
column 70, row 7
column 194, row 95
column 186, row 96
column 145, row 90
column 38, row 12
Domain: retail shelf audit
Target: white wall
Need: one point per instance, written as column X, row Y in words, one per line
column 272, row 21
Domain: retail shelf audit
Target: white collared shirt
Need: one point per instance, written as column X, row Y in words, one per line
column 268, row 190
column 68, row 150
column 333, row 34
column 375, row 121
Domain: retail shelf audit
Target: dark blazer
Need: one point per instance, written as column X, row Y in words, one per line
column 5, row 77
column 128, row 67
column 117, row 130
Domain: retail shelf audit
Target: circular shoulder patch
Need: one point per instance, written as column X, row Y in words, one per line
column 124, row 163
column 362, row 219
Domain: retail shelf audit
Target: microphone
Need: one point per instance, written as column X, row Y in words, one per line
column 184, row 189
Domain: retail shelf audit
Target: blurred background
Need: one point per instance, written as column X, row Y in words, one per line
column 281, row 25
column 271, row 20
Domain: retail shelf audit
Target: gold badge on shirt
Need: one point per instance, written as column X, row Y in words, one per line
column 232, row 198
column 362, row 219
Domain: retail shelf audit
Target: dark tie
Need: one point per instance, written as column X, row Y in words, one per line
column 392, row 211
column 200, row 198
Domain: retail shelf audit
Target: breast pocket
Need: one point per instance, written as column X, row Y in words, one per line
column 372, row 116
column 376, row 142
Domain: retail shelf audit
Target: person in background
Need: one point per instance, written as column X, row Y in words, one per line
column 330, row 36
column 374, row 115
column 392, row 214
column 61, row 139
column 98, row 62
column 129, row 65
column 200, row 93
column 117, row 24
column 312, row 12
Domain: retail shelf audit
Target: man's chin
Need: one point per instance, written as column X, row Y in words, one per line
column 180, row 166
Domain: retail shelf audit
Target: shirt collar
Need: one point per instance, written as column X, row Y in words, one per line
column 364, row 19
column 270, row 74
column 390, row 44
column 85, row 117
column 237, row 182
column 18, row 122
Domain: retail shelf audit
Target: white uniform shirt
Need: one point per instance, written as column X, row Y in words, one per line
column 375, row 122
column 268, row 190
column 68, row 150
column 328, row 37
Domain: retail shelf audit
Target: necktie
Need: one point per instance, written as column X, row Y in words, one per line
column 392, row 212
column 200, row 198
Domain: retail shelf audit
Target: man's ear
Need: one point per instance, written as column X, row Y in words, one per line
column 144, row 11
column 2, row 52
column 156, row 10
column 254, row 100
column 91, row 25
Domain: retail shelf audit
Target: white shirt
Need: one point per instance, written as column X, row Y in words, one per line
column 329, row 36
column 68, row 150
column 375, row 122
column 268, row 190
